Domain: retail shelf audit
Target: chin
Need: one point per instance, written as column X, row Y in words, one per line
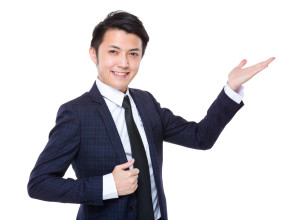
column 121, row 88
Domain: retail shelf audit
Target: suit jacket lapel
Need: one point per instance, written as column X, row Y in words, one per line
column 109, row 123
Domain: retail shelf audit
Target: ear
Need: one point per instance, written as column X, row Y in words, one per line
column 93, row 55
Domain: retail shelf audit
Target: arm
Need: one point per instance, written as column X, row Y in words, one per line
column 46, row 179
column 203, row 135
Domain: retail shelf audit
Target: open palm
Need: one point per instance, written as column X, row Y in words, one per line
column 238, row 76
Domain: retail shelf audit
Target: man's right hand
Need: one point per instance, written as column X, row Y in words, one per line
column 125, row 180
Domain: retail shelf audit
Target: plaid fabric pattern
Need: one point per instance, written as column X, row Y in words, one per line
column 86, row 137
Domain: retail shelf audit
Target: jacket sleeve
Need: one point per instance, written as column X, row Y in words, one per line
column 46, row 179
column 201, row 135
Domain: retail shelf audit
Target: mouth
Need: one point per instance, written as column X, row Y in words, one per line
column 120, row 74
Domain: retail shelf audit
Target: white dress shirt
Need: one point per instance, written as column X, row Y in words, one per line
column 114, row 99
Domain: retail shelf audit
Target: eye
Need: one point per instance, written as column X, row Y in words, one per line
column 134, row 54
column 113, row 52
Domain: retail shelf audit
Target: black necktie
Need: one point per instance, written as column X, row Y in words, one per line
column 143, row 192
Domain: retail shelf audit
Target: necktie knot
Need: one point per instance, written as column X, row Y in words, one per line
column 126, row 103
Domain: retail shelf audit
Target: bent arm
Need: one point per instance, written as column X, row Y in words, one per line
column 46, row 180
column 201, row 135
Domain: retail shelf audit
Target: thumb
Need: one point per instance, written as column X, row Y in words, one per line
column 242, row 63
column 127, row 164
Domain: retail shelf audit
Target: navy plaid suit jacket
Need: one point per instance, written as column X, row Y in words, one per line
column 86, row 137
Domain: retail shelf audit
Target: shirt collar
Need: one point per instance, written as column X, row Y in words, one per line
column 111, row 93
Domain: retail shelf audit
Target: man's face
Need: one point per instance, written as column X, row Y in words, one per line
column 119, row 57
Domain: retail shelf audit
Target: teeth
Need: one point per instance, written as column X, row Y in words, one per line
column 120, row 74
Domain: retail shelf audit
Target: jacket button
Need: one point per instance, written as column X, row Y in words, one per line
column 131, row 208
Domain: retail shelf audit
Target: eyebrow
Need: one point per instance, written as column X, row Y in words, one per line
column 134, row 49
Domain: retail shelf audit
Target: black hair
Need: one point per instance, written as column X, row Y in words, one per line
column 123, row 21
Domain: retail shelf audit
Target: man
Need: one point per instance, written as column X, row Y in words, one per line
column 113, row 135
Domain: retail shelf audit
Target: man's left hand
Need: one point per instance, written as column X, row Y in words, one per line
column 238, row 76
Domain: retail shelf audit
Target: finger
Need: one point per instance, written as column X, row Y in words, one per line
column 242, row 63
column 262, row 65
column 268, row 61
column 253, row 70
column 259, row 66
column 127, row 164
column 135, row 171
column 135, row 180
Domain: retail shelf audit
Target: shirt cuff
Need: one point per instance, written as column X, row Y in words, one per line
column 109, row 187
column 235, row 96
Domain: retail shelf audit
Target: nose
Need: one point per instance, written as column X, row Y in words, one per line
column 123, row 62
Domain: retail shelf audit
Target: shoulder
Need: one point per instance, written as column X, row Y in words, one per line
column 77, row 107
column 146, row 99
column 86, row 100
column 79, row 102
column 141, row 93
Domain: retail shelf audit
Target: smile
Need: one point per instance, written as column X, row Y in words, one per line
column 120, row 73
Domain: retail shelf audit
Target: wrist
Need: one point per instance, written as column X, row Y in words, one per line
column 233, row 86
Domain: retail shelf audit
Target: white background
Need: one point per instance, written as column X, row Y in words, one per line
column 253, row 170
